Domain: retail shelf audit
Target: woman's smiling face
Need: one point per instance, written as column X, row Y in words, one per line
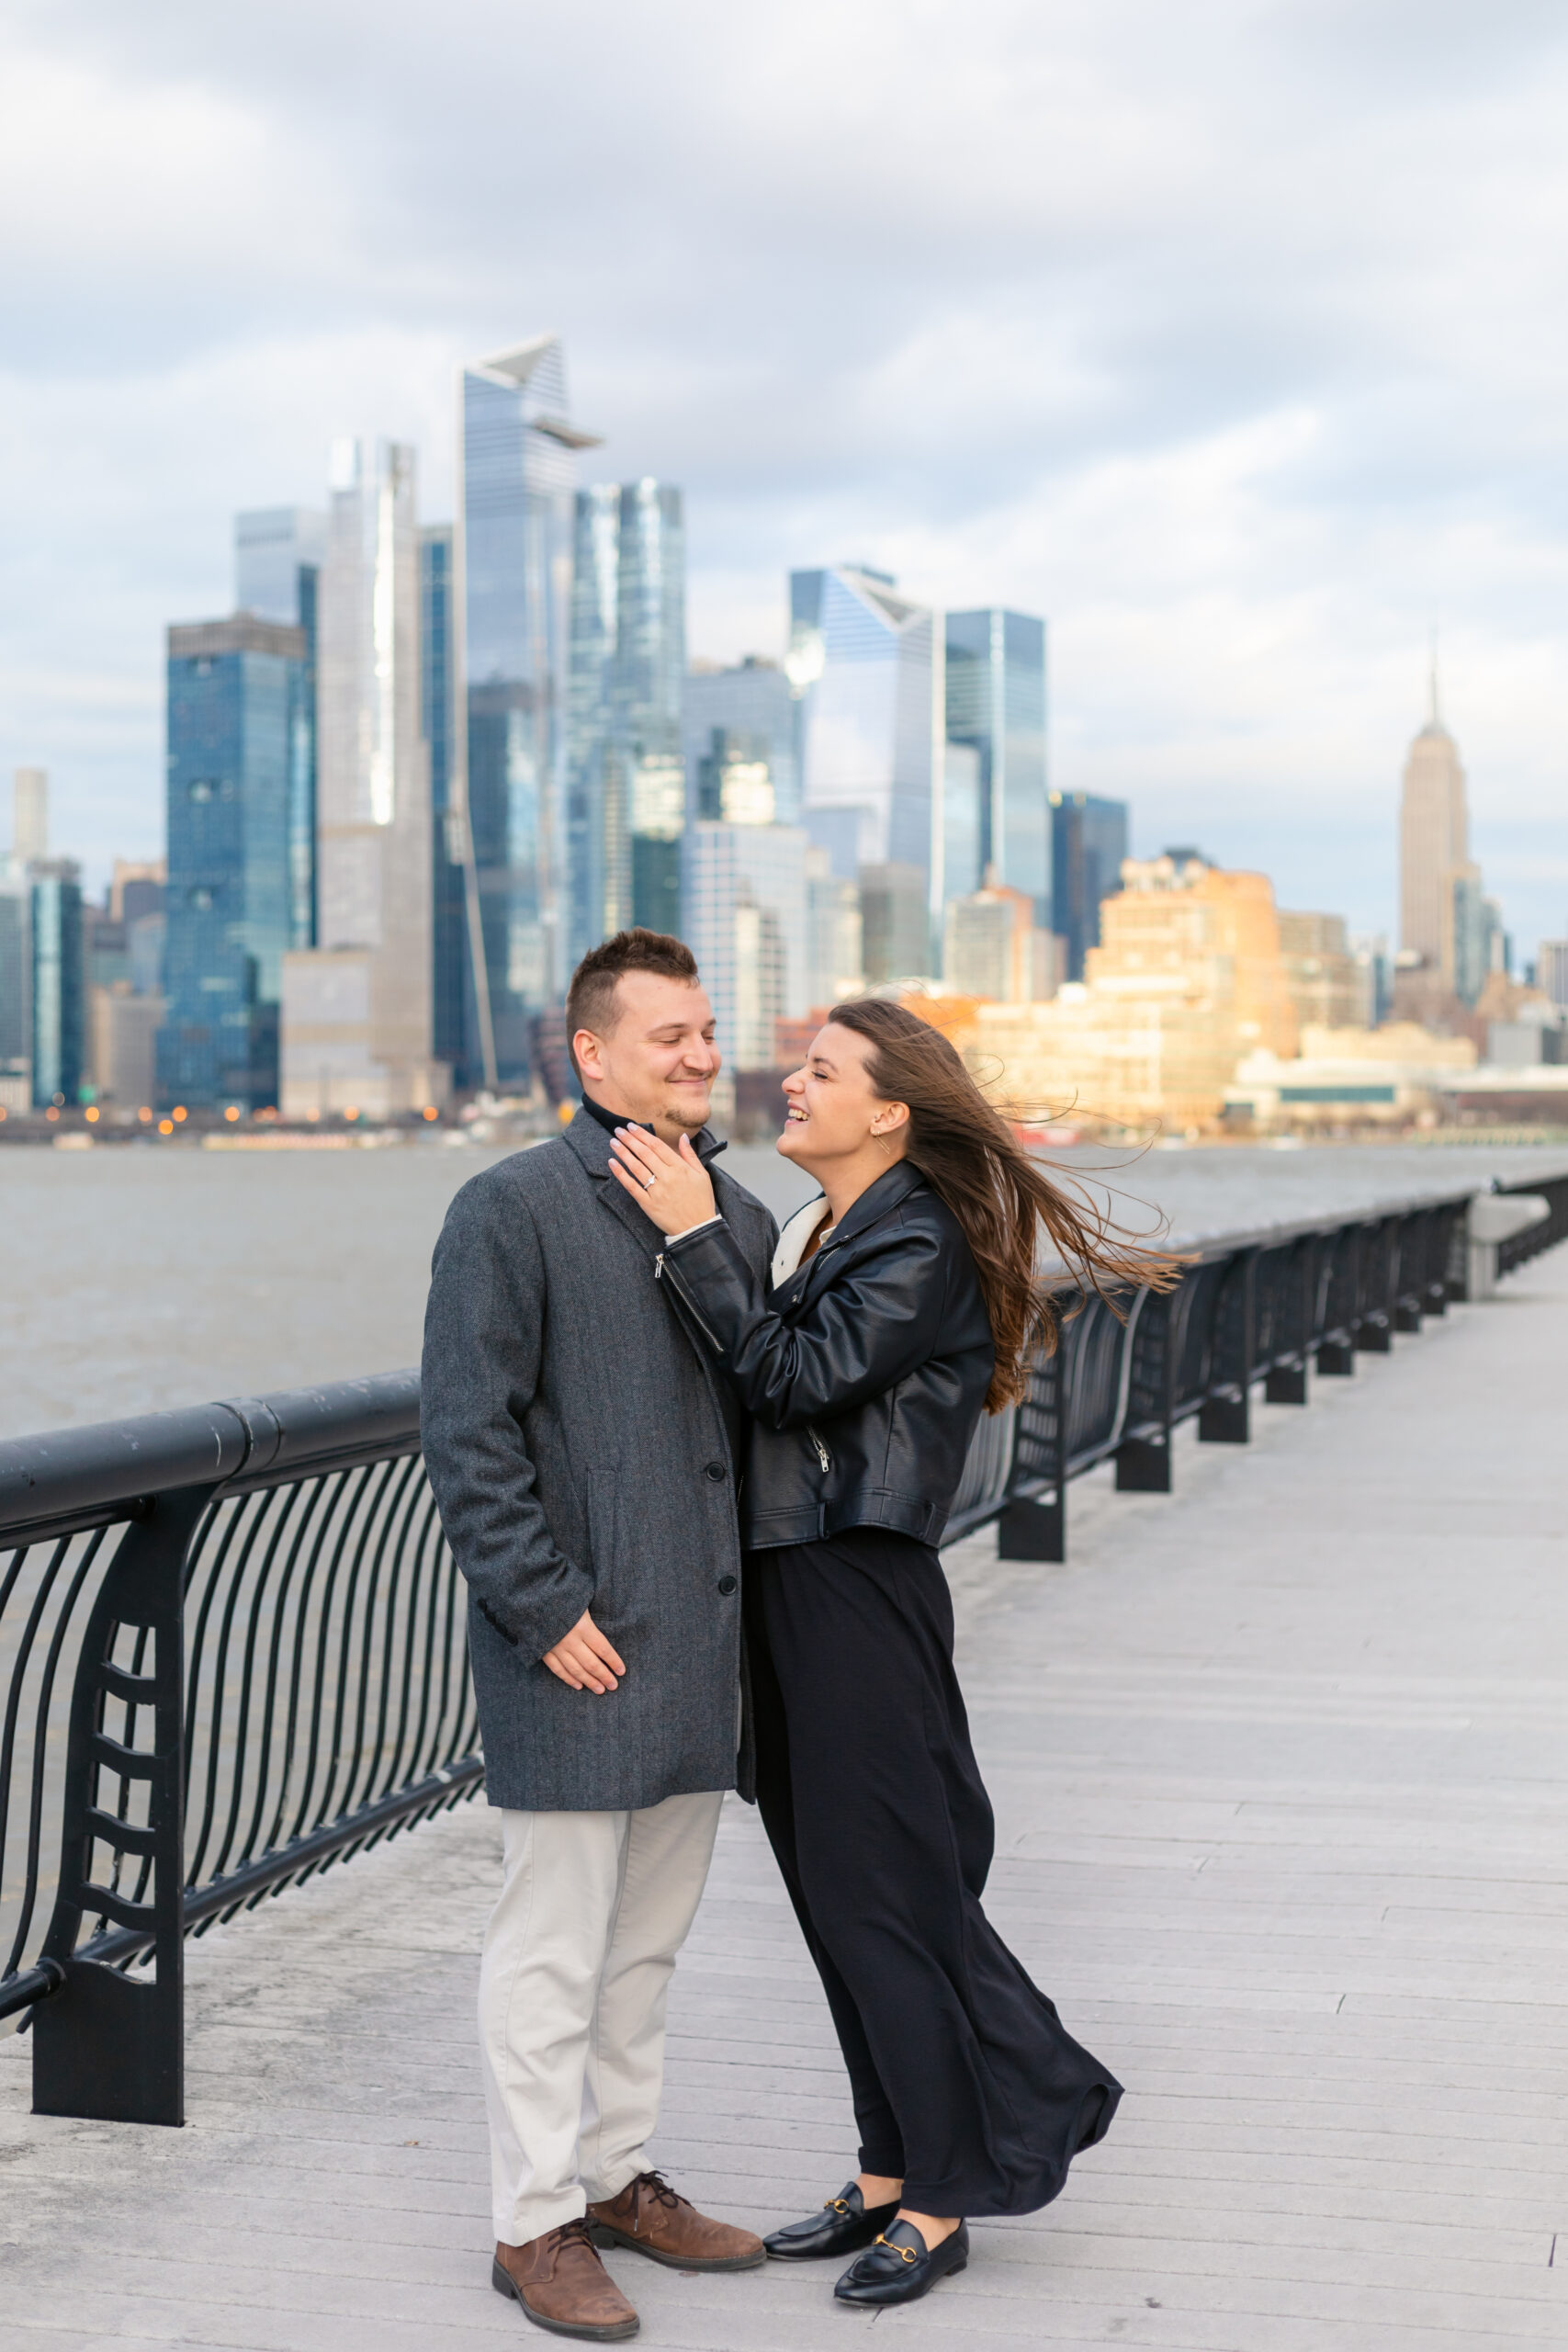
column 831, row 1101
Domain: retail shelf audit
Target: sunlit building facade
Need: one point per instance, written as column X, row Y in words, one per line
column 1189, row 978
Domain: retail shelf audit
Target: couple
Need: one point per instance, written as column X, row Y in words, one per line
column 695, row 1475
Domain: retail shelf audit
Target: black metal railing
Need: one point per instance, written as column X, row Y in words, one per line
column 234, row 1652
column 232, row 1638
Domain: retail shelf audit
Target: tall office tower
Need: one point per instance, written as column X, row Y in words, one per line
column 1375, row 985
column 1327, row 984
column 276, row 548
column 278, row 555
column 989, row 949
column 963, row 832
column 55, row 920
column 836, row 942
column 515, row 563
column 627, row 787
column 235, row 691
column 996, row 702
column 357, row 1008
column 1088, row 841
column 1439, row 889
column 452, row 995
column 750, row 705
column 867, row 668
column 15, row 989
column 745, row 920
column 896, row 926
column 1551, row 970
column 29, row 814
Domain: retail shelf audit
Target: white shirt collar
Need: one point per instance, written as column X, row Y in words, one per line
column 795, row 1237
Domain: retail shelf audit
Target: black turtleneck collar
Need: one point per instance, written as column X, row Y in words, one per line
column 611, row 1120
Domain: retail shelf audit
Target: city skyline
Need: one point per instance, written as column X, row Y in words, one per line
column 1255, row 399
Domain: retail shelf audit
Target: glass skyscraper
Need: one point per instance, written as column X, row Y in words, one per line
column 1088, row 841
column 516, row 505
column 357, row 1007
column 751, row 707
column 278, row 555
column 626, row 803
column 866, row 666
column 58, row 1008
column 236, row 691
column 995, row 704
column 453, row 1011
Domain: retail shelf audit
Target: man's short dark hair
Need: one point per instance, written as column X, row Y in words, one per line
column 589, row 1000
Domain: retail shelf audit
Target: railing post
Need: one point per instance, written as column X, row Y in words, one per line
column 1223, row 1418
column 107, row 2045
column 1032, row 1527
column 1376, row 1300
column 1143, row 1463
column 1341, row 1282
column 1286, row 1384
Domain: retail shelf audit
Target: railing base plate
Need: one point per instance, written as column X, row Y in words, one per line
column 110, row 2048
column 1286, row 1384
column 1142, row 1467
column 1033, row 1531
column 1223, row 1421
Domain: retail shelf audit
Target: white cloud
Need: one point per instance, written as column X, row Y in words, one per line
column 1232, row 336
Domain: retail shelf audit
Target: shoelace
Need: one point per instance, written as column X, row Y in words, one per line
column 657, row 2186
column 576, row 2234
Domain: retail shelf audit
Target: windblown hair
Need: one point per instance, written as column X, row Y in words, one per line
column 999, row 1192
column 591, row 999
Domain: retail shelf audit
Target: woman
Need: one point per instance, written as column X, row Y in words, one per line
column 903, row 1302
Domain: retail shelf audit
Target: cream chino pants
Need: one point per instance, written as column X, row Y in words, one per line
column 573, row 1976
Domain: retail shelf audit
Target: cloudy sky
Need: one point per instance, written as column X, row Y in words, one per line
column 1230, row 334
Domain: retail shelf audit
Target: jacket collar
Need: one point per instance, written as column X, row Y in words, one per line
column 590, row 1142
column 876, row 1202
column 893, row 1186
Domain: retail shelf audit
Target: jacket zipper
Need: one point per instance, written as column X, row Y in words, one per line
column 684, row 1295
column 823, row 1457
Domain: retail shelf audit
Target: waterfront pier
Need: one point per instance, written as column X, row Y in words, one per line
column 1280, row 1766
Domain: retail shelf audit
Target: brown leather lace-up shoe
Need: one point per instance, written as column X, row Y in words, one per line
column 562, row 2285
column 653, row 2218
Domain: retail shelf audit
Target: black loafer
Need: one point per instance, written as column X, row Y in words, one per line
column 843, row 2226
column 898, row 2268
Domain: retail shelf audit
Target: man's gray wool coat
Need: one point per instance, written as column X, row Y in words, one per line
column 584, row 1454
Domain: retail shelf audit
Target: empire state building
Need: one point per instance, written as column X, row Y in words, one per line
column 1439, row 888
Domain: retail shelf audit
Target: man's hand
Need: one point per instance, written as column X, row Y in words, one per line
column 584, row 1659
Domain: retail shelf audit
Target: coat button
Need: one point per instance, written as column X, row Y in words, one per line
column 715, row 1470
column 726, row 1585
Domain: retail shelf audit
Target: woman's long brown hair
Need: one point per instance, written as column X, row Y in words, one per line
column 998, row 1192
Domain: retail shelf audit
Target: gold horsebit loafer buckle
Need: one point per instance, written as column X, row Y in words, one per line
column 905, row 2253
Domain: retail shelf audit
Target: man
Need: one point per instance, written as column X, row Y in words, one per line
column 585, row 1458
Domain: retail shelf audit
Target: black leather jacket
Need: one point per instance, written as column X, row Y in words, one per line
column 863, row 1372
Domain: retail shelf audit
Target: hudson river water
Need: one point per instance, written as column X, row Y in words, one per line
column 140, row 1277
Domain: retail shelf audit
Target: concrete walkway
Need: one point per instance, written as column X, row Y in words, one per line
column 1281, row 1768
